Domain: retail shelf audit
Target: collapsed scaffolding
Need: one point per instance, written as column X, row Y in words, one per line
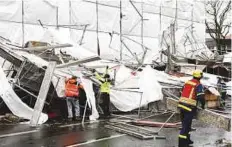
column 125, row 51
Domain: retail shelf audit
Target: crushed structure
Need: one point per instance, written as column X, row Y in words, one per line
column 150, row 47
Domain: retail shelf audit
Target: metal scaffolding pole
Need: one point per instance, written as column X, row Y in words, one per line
column 57, row 17
column 174, row 30
column 98, row 46
column 22, row 24
column 70, row 15
column 142, row 24
column 121, row 30
column 192, row 18
column 42, row 94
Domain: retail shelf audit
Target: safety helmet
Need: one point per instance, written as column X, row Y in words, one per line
column 197, row 74
column 107, row 76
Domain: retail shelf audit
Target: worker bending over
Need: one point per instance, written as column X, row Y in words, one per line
column 191, row 94
column 104, row 91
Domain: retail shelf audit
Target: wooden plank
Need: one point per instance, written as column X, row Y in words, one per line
column 206, row 116
column 85, row 60
column 42, row 94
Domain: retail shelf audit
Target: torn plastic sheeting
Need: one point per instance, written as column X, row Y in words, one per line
column 63, row 36
column 149, row 85
column 125, row 100
column 149, row 90
column 88, row 86
column 14, row 103
column 125, row 78
column 45, row 10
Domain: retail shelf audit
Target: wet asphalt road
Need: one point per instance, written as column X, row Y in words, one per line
column 95, row 135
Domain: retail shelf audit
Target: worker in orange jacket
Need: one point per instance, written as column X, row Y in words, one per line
column 192, row 93
column 72, row 95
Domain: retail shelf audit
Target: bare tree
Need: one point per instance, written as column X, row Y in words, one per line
column 218, row 23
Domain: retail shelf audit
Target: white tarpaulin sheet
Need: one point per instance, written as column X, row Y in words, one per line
column 40, row 17
column 88, row 86
column 125, row 100
column 149, row 85
column 149, row 90
column 14, row 103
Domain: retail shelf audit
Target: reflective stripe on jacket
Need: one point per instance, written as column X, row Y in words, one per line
column 71, row 89
column 105, row 85
column 189, row 94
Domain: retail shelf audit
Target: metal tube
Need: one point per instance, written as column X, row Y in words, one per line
column 27, row 92
column 83, row 119
column 140, row 105
column 22, row 24
column 120, row 29
column 57, row 17
column 70, row 13
column 166, row 121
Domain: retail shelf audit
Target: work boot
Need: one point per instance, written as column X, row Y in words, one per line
column 183, row 143
column 77, row 118
column 69, row 119
column 189, row 140
column 192, row 129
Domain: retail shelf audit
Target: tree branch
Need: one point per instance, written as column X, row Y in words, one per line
column 228, row 30
column 208, row 11
column 224, row 13
column 210, row 30
column 218, row 5
column 226, row 27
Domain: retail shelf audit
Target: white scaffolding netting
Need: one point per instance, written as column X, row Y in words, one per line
column 142, row 24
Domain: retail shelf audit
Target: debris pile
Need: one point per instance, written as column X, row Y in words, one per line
column 10, row 119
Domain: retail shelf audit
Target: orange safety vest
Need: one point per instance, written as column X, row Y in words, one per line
column 188, row 95
column 71, row 89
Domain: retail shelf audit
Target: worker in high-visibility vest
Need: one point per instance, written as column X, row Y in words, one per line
column 105, row 83
column 72, row 98
column 192, row 93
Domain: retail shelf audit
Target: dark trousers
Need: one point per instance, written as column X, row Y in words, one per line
column 186, row 119
column 105, row 97
column 82, row 102
column 223, row 97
